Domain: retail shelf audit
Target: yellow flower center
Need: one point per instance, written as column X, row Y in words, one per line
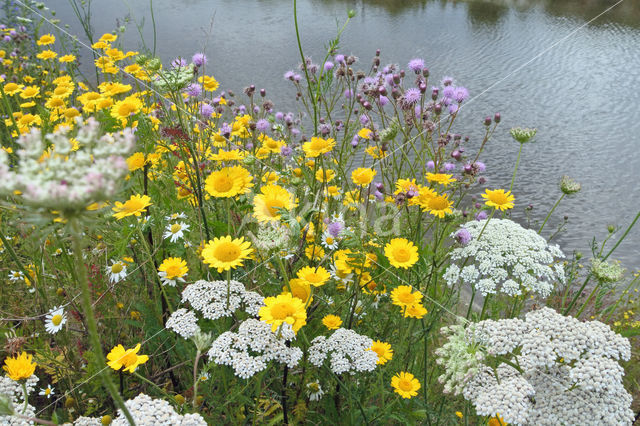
column 401, row 254
column 272, row 205
column 227, row 252
column 116, row 268
column 329, row 240
column 318, row 144
column 56, row 320
column 407, row 298
column 132, row 205
column 313, row 277
column 47, row 391
column 271, row 144
column 405, row 385
column 499, row 198
column 129, row 358
column 284, row 312
column 175, row 228
column 223, row 184
column 173, row 271
column 126, row 109
column 438, row 203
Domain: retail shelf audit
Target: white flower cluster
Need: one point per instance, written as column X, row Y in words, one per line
column 250, row 349
column 214, row 300
column 13, row 391
column 460, row 356
column 183, row 322
column 271, row 236
column 67, row 178
column 349, row 352
column 156, row 412
column 87, row 421
column 506, row 258
column 551, row 369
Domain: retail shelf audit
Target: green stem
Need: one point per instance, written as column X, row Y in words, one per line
column 76, row 237
column 195, row 377
column 550, row 212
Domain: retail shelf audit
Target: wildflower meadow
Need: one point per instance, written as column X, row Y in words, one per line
column 174, row 253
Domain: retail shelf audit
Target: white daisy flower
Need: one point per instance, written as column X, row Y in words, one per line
column 55, row 319
column 117, row 271
column 175, row 231
column 314, row 390
column 329, row 241
column 16, row 276
column 48, row 391
column 176, row 216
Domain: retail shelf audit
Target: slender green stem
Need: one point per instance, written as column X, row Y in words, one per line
column 550, row 212
column 76, row 237
column 195, row 377
column 153, row 22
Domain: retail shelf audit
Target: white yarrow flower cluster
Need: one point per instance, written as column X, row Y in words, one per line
column 348, row 352
column 565, row 371
column 254, row 345
column 67, row 179
column 184, row 322
column 13, row 391
column 506, row 258
column 212, row 300
column 156, row 412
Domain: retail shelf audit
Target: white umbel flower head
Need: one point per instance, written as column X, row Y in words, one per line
column 212, row 300
column 183, row 322
column 507, row 258
column 348, row 352
column 156, row 412
column 55, row 320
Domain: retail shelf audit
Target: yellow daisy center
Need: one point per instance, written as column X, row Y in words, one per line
column 227, row 252
column 116, row 268
column 438, row 203
column 56, row 320
column 401, row 254
column 173, row 271
column 274, row 204
column 283, row 311
column 129, row 358
column 175, row 228
column 223, row 184
column 329, row 240
column 407, row 298
column 132, row 205
column 405, row 385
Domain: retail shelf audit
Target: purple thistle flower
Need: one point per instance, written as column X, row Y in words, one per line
column 279, row 116
column 286, row 151
column 199, row 59
column 431, row 165
column 262, row 125
column 448, row 92
column 193, row 90
column 453, row 108
column 324, row 128
column 242, row 109
column 354, row 141
column 463, row 236
column 297, row 78
column 178, row 63
column 248, row 146
column 416, row 65
column 379, row 195
column 289, row 75
column 328, row 66
column 364, row 120
column 369, row 81
column 480, row 166
column 389, row 80
column 411, row 97
column 225, row 130
column 449, row 167
column 447, row 81
column 256, row 109
column 481, row 215
column 460, row 94
column 288, row 118
column 383, row 100
column 339, row 59
column 348, row 93
column 206, row 110
column 295, row 132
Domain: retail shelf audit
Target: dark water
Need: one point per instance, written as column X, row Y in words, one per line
column 581, row 94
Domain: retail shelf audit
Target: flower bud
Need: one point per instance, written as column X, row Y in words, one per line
column 569, row 186
column 496, row 117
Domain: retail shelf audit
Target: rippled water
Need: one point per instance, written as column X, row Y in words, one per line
column 521, row 58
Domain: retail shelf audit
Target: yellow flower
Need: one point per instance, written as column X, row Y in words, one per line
column 438, row 205
column 232, row 155
column 134, row 206
column 108, row 38
column 125, row 108
column 318, row 146
column 270, row 144
column 314, row 276
column 136, row 161
column 365, row 133
column 325, row 175
column 113, row 88
column 226, row 253
column 46, row 40
column 300, row 289
column 363, row 176
column 401, row 253
column 497, row 420
column 459, row 414
column 440, row 178
column 46, row 54
column 172, row 268
column 11, row 89
column 20, row 367
column 499, row 199
column 128, row 358
column 228, row 182
column 415, row 311
column 63, row 91
column 404, row 296
column 30, row 92
column 405, row 384
column 283, row 308
column 314, row 252
column 383, row 350
column 272, row 197
column 67, row 58
column 376, row 152
column 332, row 322
column 209, row 84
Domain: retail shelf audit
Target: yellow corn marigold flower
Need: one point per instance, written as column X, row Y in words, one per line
column 67, row 58
column 270, row 144
column 401, row 253
column 271, row 198
column 128, row 358
column 55, row 103
column 365, row 133
column 404, row 296
column 314, row 276
column 172, row 269
column 314, row 252
column 497, row 420
column 125, row 108
column 499, row 199
column 438, row 205
column 30, row 92
column 318, row 146
column 136, row 161
column 383, row 350
column 11, row 89
column 226, row 253
column 46, row 40
column 108, row 38
column 415, row 311
column 325, row 175
column 363, row 176
column 231, row 155
column 332, row 322
column 134, row 206
column 46, row 54
column 376, row 152
column 405, row 384
column 283, row 308
column 459, row 414
column 20, row 367
column 209, row 84
column 440, row 178
column 228, row 182
column 300, row 289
